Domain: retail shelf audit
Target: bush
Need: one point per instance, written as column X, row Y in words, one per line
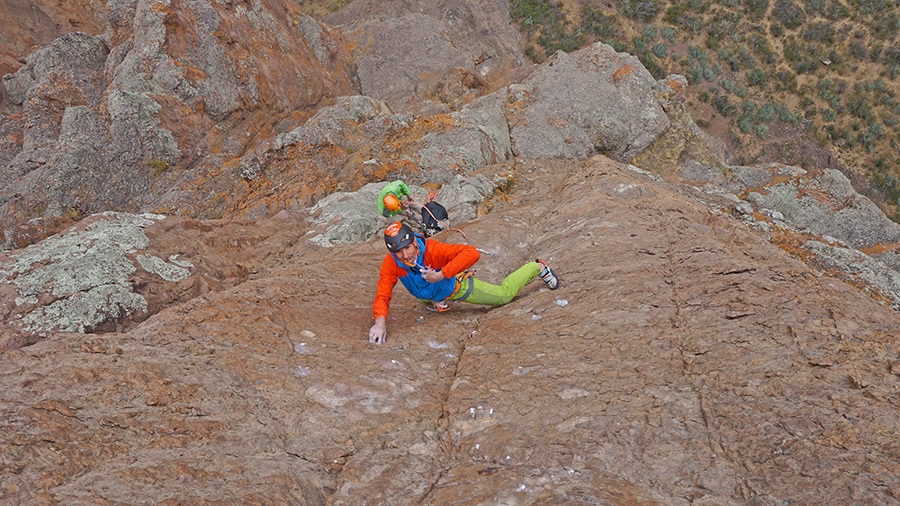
column 687, row 15
column 639, row 10
column 660, row 50
column 668, row 33
column 724, row 106
column 831, row 10
column 776, row 30
column 785, row 115
column 820, row 32
column 793, row 52
column 891, row 55
column 746, row 124
column 766, row 112
column 761, row 131
column 858, row 51
column 694, row 75
column 549, row 19
column 788, row 14
column 858, row 103
column 594, row 22
column 757, row 77
column 756, row 9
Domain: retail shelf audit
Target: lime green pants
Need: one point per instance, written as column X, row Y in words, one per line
column 480, row 292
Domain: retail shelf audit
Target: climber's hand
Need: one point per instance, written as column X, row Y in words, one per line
column 431, row 275
column 378, row 332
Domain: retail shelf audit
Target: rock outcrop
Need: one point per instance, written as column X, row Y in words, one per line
column 120, row 120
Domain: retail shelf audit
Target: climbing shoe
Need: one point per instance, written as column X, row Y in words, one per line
column 439, row 307
column 548, row 275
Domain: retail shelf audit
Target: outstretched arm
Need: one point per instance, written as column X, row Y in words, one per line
column 387, row 278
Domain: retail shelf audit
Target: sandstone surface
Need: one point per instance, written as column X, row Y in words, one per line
column 684, row 360
column 190, row 253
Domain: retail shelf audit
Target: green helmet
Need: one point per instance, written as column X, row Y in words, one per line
column 398, row 236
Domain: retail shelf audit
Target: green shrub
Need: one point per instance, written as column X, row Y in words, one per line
column 785, row 115
column 687, row 15
column 793, row 52
column 660, row 50
column 819, row 32
column 761, row 131
column 755, row 9
column 668, row 33
column 830, row 9
column 788, row 14
column 777, row 30
column 858, row 51
column 711, row 73
column 694, row 75
column 639, row 10
column 594, row 22
column 766, row 112
column 891, row 55
column 724, row 106
column 757, row 77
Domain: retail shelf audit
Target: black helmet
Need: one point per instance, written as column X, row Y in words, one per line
column 397, row 236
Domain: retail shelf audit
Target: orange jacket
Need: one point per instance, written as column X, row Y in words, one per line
column 451, row 259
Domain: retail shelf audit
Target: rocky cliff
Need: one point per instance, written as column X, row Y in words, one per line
column 192, row 251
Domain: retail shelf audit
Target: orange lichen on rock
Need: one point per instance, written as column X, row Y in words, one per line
column 623, row 71
column 879, row 249
column 677, row 85
column 821, row 196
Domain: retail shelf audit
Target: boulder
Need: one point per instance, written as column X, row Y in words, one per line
column 409, row 51
column 590, row 101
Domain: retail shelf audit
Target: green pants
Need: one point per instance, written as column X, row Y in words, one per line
column 480, row 292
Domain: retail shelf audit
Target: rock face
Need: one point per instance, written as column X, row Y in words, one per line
column 113, row 270
column 27, row 26
column 592, row 101
column 695, row 354
column 685, row 359
column 442, row 52
column 119, row 121
column 214, row 109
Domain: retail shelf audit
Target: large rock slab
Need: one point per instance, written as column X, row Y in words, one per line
column 407, row 51
column 593, row 100
column 684, row 360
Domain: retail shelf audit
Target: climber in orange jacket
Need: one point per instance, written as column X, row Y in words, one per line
column 434, row 271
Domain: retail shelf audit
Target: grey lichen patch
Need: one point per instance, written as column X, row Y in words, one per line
column 85, row 310
column 163, row 269
column 86, row 272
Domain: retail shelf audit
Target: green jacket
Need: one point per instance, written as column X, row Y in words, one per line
column 398, row 189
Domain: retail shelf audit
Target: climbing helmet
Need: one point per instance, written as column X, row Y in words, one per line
column 391, row 202
column 397, row 236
